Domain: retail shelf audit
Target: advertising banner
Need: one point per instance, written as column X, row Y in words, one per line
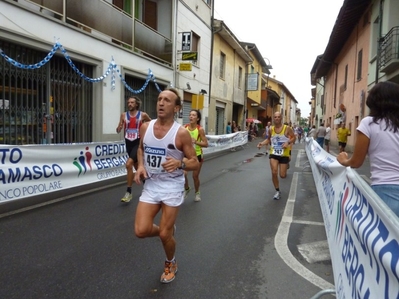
column 30, row 170
column 222, row 142
column 362, row 231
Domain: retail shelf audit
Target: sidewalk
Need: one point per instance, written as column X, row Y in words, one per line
column 363, row 171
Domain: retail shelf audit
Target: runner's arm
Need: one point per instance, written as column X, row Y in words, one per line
column 140, row 171
column 203, row 141
column 264, row 142
column 291, row 137
column 120, row 124
column 185, row 144
column 145, row 117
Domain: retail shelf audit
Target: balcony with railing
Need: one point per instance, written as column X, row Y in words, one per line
column 389, row 51
column 112, row 24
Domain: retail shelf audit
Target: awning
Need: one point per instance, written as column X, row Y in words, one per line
column 271, row 93
column 255, row 105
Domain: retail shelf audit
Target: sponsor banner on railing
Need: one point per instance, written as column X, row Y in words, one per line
column 30, row 170
column 362, row 231
column 218, row 143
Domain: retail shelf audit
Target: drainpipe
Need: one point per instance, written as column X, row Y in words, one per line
column 246, row 96
column 336, row 84
column 49, row 128
column 356, row 62
column 64, row 11
column 246, row 87
column 175, row 7
column 213, row 31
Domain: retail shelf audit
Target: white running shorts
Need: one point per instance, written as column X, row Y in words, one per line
column 172, row 199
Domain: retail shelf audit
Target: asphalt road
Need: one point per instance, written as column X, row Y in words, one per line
column 236, row 243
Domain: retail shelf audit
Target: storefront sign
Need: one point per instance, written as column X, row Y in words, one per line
column 186, row 41
column 185, row 66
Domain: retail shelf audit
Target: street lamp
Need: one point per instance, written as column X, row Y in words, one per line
column 268, row 66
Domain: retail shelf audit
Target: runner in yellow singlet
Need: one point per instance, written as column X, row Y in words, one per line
column 280, row 138
column 199, row 141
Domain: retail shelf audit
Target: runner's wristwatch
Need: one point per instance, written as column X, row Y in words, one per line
column 183, row 165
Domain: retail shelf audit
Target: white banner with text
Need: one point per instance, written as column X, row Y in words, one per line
column 30, row 170
column 218, row 143
column 362, row 231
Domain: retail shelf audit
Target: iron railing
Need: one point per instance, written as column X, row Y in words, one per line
column 389, row 50
column 149, row 33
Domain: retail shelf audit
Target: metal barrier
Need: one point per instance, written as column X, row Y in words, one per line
column 322, row 293
column 306, row 166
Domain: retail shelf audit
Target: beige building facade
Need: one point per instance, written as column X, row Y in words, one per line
column 230, row 60
column 287, row 104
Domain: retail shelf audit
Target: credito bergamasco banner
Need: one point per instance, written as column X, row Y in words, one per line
column 32, row 170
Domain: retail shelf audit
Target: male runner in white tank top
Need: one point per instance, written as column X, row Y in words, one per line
column 165, row 151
